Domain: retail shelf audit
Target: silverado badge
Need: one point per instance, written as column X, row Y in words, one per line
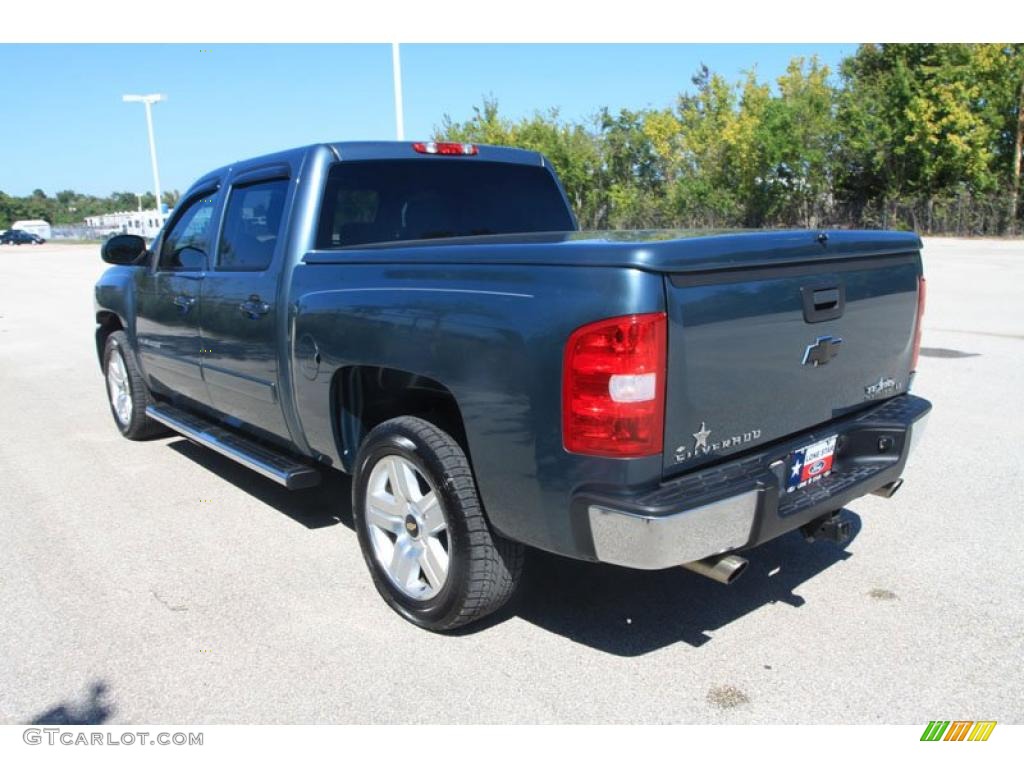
column 700, row 437
column 702, row 444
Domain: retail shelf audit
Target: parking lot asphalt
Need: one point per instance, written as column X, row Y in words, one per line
column 158, row 582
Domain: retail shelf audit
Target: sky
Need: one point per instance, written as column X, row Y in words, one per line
column 64, row 125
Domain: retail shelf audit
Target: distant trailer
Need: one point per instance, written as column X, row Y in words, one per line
column 146, row 224
column 35, row 226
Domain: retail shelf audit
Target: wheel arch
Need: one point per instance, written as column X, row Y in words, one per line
column 106, row 323
column 363, row 396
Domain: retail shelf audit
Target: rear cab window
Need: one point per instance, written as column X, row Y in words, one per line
column 382, row 201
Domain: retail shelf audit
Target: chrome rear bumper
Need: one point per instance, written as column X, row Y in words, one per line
column 743, row 502
column 652, row 542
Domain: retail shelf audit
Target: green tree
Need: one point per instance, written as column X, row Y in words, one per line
column 915, row 124
column 484, row 127
column 170, row 197
column 705, row 191
column 797, row 141
column 632, row 170
column 999, row 68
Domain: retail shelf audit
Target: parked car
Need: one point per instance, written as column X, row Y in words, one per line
column 39, row 227
column 425, row 317
column 20, row 237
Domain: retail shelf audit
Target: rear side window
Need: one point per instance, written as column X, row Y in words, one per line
column 252, row 225
column 384, row 201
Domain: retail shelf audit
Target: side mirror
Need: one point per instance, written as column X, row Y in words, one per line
column 124, row 249
column 191, row 259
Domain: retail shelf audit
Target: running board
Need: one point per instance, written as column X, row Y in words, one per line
column 277, row 466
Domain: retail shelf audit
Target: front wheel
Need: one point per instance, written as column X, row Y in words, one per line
column 431, row 552
column 127, row 391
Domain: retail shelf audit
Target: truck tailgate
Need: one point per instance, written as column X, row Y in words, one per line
column 758, row 353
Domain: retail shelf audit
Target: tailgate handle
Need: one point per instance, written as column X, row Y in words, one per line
column 823, row 302
column 826, row 298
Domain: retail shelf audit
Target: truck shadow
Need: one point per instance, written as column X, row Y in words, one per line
column 615, row 610
column 631, row 613
column 92, row 710
column 327, row 504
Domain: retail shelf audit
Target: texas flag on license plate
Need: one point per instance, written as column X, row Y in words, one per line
column 810, row 463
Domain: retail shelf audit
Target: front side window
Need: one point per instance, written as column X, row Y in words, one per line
column 252, row 225
column 186, row 245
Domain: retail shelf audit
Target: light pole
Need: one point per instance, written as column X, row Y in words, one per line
column 148, row 100
column 396, row 69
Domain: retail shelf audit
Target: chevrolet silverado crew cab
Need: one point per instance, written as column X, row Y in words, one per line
column 427, row 318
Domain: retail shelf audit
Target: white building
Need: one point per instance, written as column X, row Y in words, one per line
column 143, row 223
column 35, row 226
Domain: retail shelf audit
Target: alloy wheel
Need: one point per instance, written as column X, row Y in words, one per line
column 407, row 527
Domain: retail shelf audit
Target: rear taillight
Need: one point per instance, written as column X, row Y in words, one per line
column 613, row 387
column 922, row 292
column 445, row 148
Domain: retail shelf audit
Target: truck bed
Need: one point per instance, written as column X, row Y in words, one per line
column 742, row 316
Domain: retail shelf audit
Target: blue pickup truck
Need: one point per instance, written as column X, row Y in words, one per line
column 428, row 318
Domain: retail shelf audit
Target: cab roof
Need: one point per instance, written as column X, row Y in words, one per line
column 373, row 150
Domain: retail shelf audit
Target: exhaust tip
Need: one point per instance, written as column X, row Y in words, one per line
column 736, row 570
column 888, row 490
column 725, row 569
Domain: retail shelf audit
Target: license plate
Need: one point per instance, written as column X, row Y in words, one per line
column 810, row 464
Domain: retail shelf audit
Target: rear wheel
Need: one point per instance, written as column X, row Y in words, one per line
column 126, row 390
column 432, row 554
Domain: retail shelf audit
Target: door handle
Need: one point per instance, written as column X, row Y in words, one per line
column 254, row 308
column 184, row 303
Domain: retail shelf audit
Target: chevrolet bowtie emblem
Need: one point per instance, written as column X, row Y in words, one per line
column 822, row 350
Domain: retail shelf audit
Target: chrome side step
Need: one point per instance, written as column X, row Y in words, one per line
column 280, row 468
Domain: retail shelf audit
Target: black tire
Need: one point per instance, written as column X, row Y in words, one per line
column 484, row 568
column 138, row 426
